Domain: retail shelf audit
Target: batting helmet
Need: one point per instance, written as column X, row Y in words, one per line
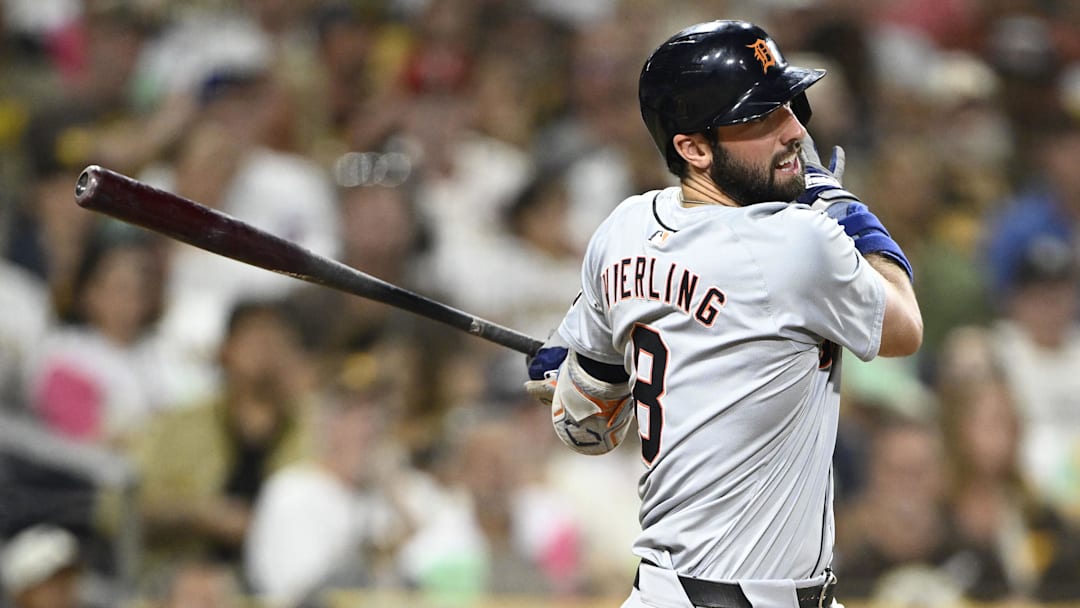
column 714, row 74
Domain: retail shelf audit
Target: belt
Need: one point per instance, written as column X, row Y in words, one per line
column 713, row 594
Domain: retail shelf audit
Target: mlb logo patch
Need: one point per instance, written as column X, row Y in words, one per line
column 657, row 238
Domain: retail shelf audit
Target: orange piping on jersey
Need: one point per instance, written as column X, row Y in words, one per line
column 667, row 291
column 623, row 291
column 639, row 278
column 680, row 287
column 653, row 294
column 687, row 286
column 706, row 312
column 607, row 296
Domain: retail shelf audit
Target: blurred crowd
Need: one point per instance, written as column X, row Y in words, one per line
column 289, row 442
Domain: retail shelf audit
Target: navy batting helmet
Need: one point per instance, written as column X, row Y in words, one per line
column 714, row 74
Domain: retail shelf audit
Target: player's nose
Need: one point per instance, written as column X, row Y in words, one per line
column 791, row 130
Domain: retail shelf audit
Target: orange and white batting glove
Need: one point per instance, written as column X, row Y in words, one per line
column 589, row 415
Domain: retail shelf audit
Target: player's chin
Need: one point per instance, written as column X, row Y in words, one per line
column 788, row 187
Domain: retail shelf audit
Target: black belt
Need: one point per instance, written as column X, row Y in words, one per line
column 712, row 594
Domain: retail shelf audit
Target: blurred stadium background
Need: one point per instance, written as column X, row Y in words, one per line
column 181, row 430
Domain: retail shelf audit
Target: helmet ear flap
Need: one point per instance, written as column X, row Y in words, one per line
column 800, row 107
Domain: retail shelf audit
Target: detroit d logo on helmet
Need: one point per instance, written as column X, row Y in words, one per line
column 763, row 53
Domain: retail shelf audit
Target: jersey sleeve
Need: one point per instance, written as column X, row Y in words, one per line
column 825, row 287
column 586, row 327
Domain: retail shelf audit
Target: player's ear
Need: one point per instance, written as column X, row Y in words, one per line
column 694, row 149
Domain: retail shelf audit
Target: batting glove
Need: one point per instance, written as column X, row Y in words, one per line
column 543, row 369
column 821, row 180
column 824, row 185
column 591, row 416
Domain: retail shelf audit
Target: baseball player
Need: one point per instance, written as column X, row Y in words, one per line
column 714, row 312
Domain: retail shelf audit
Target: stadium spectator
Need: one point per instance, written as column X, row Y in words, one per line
column 236, row 158
column 329, row 522
column 1013, row 545
column 203, row 466
column 496, row 529
column 47, row 233
column 41, row 567
column 598, row 133
column 102, row 375
column 537, row 236
column 28, row 316
column 1038, row 338
column 384, row 236
column 897, row 527
column 202, row 584
column 1047, row 202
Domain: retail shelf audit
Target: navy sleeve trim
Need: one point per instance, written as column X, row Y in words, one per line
column 656, row 214
column 613, row 374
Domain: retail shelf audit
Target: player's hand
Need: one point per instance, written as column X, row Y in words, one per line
column 589, row 415
column 544, row 369
column 810, row 158
column 824, row 185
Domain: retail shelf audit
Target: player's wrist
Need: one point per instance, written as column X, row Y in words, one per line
column 871, row 236
column 543, row 368
column 897, row 258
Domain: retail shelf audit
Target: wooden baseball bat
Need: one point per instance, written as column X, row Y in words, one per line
column 185, row 220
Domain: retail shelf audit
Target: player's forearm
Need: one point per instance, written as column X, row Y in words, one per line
column 902, row 329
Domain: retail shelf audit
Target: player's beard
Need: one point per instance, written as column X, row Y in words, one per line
column 749, row 185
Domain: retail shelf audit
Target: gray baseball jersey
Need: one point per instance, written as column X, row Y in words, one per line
column 727, row 320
